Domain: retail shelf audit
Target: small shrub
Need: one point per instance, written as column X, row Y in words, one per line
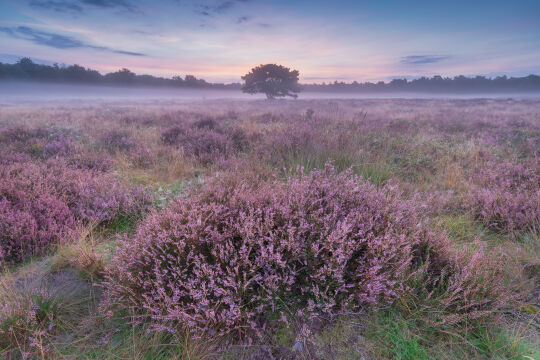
column 171, row 135
column 91, row 161
column 28, row 226
column 205, row 141
column 240, row 140
column 38, row 142
column 506, row 196
column 36, row 149
column 208, row 123
column 9, row 157
column 58, row 147
column 22, row 134
column 117, row 140
column 42, row 204
column 141, row 156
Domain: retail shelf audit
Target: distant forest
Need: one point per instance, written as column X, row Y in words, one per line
column 26, row 69
column 458, row 84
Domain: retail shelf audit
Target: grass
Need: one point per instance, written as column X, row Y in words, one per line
column 127, row 342
column 397, row 337
column 499, row 344
column 377, row 173
column 463, row 230
column 121, row 225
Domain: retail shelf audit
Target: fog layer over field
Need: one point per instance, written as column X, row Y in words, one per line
column 32, row 91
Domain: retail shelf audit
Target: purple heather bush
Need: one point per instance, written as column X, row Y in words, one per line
column 141, row 156
column 41, row 204
column 172, row 135
column 28, row 226
column 310, row 144
column 41, row 143
column 293, row 141
column 91, row 161
column 117, row 140
column 506, row 196
column 223, row 258
column 58, row 147
column 8, row 157
column 22, row 134
column 206, row 140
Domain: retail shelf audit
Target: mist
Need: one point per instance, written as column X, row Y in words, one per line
column 24, row 91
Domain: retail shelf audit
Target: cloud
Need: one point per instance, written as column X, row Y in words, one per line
column 55, row 40
column 77, row 5
column 59, row 6
column 131, row 53
column 108, row 3
column 242, row 19
column 422, row 59
column 219, row 7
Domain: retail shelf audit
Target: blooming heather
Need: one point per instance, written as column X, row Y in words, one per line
column 222, row 258
column 41, row 204
column 206, row 141
column 506, row 196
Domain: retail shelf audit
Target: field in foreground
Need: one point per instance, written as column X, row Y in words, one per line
column 308, row 229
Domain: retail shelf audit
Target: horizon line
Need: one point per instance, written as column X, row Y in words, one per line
column 407, row 78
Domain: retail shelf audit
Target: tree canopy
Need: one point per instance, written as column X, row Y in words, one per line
column 273, row 80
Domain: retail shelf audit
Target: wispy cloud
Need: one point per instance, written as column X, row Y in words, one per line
column 59, row 6
column 109, row 3
column 56, row 40
column 78, row 6
column 131, row 53
column 219, row 7
column 242, row 19
column 422, row 59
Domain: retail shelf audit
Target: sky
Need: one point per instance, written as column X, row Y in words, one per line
column 220, row 40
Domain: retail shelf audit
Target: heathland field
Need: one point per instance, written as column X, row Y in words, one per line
column 304, row 229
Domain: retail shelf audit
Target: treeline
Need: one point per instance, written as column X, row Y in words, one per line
column 458, row 84
column 26, row 69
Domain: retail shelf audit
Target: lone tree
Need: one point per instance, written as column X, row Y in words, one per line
column 273, row 80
